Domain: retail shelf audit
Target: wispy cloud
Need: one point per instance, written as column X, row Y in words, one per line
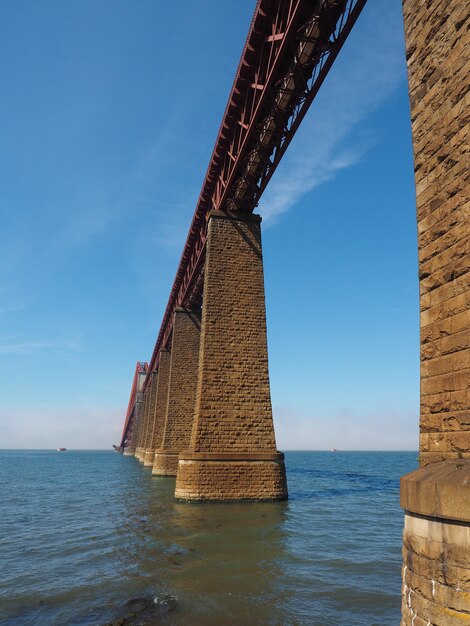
column 24, row 347
column 11, row 345
column 324, row 145
column 85, row 224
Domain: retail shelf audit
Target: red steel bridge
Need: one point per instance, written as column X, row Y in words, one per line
column 290, row 48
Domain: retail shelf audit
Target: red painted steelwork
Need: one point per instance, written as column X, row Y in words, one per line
column 289, row 50
column 139, row 368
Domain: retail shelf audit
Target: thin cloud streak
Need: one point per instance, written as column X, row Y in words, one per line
column 323, row 146
column 33, row 347
column 25, row 347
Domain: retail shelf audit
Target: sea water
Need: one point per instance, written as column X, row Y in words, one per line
column 93, row 538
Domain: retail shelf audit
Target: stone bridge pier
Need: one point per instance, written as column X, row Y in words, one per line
column 160, row 399
column 179, row 410
column 436, row 497
column 205, row 415
column 147, row 443
column 142, row 431
column 231, row 452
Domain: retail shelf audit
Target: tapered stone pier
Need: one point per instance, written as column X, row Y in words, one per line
column 232, row 452
column 158, row 408
column 140, row 450
column 436, row 497
column 181, row 392
column 149, row 452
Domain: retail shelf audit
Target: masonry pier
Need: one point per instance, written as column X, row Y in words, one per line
column 232, row 453
column 436, row 497
column 183, row 375
column 145, row 421
column 148, row 454
column 159, row 396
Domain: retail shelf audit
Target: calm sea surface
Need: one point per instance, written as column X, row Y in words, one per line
column 92, row 538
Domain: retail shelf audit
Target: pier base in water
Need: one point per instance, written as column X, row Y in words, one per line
column 436, row 544
column 148, row 458
column 231, row 476
column 166, row 463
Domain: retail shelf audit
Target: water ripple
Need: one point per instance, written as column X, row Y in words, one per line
column 88, row 538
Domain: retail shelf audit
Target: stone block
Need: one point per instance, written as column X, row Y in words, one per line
column 438, row 490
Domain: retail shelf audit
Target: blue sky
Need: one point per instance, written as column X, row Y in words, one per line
column 108, row 116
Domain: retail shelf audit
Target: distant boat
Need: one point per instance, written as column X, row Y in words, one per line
column 333, row 450
column 61, row 449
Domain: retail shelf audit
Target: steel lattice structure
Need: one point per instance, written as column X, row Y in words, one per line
column 289, row 50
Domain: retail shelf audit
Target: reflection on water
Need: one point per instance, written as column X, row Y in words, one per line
column 93, row 538
column 216, row 559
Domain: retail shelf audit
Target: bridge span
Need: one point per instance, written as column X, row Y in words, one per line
column 217, row 297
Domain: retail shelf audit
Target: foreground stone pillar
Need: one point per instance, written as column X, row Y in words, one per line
column 232, row 453
column 436, row 544
column 181, row 391
column 436, row 497
column 160, row 396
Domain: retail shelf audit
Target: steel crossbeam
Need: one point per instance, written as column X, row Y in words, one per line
column 290, row 48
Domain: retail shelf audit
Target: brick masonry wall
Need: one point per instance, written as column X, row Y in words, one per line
column 181, row 392
column 161, row 399
column 233, row 401
column 437, row 48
